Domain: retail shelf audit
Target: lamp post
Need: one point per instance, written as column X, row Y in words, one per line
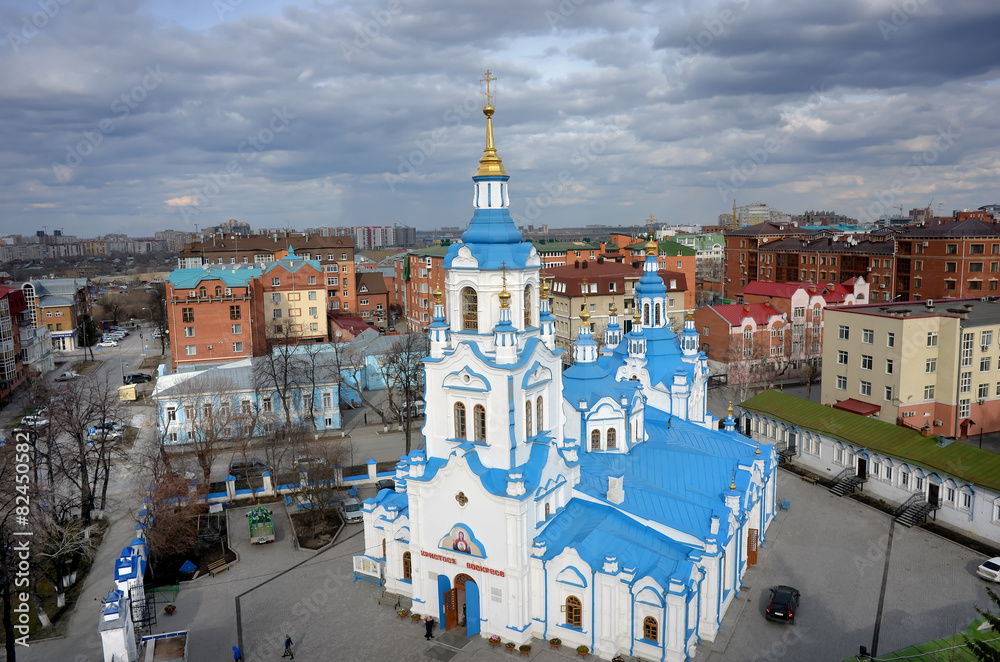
column 981, row 417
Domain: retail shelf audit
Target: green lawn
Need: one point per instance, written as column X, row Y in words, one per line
column 949, row 649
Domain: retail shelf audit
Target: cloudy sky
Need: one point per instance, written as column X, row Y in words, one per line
column 132, row 116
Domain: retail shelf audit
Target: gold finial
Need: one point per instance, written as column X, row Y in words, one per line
column 504, row 294
column 690, row 315
column 732, row 485
column 437, row 294
column 612, row 308
column 490, row 164
column 636, row 315
column 730, row 409
column 651, row 246
column 545, row 288
column 757, row 452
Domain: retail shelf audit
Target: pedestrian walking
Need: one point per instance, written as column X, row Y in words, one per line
column 288, row 648
column 429, row 624
column 237, row 657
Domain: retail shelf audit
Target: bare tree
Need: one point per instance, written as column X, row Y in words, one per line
column 170, row 517
column 809, row 373
column 403, row 370
column 63, row 541
column 351, row 365
column 279, row 369
column 323, row 489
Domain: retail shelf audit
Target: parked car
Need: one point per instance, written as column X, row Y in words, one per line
column 107, row 430
column 67, row 376
column 385, row 484
column 251, row 467
column 309, row 461
column 990, row 569
column 119, row 329
column 137, row 378
column 108, row 343
column 350, row 508
column 33, row 421
column 783, row 604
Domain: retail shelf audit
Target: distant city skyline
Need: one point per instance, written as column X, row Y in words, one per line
column 135, row 116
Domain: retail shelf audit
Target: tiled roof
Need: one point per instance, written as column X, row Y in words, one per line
column 431, row 251
column 735, row 313
column 767, row 229
column 373, row 281
column 967, row 463
column 603, row 274
column 858, row 407
column 828, row 245
column 972, row 227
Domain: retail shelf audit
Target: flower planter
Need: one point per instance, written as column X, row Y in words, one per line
column 494, row 643
column 169, row 609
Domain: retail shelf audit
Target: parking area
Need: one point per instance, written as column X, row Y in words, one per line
column 834, row 551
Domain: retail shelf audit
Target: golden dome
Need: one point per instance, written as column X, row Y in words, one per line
column 437, row 294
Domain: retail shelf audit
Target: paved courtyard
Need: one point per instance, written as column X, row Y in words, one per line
column 833, row 550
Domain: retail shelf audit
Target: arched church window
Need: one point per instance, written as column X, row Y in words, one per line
column 657, row 313
column 612, row 438
column 218, row 290
column 645, row 314
column 538, row 418
column 383, row 547
column 470, row 309
column 650, row 629
column 202, row 292
column 527, row 306
column 527, row 417
column 460, row 420
column 479, row 422
column 407, row 567
column 574, row 612
column 595, row 440
column 548, row 510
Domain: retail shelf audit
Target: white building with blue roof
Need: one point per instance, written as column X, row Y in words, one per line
column 600, row 505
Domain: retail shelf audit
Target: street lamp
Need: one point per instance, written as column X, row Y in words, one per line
column 150, row 314
column 981, row 417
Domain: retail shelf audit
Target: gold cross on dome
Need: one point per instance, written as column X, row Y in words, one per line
column 651, row 221
column 488, row 80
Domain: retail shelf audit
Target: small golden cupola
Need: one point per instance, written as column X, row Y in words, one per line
column 490, row 164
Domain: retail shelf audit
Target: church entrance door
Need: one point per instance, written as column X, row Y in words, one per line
column 468, row 603
column 450, row 611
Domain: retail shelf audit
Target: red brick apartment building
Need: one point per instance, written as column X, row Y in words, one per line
column 416, row 276
column 334, row 253
column 12, row 372
column 215, row 315
column 945, row 260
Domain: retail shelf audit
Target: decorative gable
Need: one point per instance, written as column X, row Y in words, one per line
column 467, row 380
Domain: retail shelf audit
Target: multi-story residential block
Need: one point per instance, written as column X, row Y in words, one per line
column 949, row 260
column 372, row 237
column 334, row 253
column 12, row 367
column 294, row 293
column 595, row 286
column 708, row 247
column 228, row 401
column 57, row 304
column 373, row 297
column 798, row 334
column 560, row 253
column 749, row 342
column 417, row 275
column 933, row 364
column 215, row 315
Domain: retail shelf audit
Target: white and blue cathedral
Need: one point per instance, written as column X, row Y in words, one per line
column 601, row 504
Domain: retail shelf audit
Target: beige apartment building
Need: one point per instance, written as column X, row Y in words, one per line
column 928, row 365
column 294, row 300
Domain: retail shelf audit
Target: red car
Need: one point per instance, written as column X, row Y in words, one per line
column 783, row 604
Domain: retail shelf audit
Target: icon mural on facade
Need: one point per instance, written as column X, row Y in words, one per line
column 460, row 539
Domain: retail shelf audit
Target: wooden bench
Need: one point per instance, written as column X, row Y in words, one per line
column 217, row 567
column 809, row 479
column 386, row 598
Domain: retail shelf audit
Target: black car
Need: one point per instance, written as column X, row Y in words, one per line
column 244, row 468
column 783, row 604
column 137, row 378
column 385, row 484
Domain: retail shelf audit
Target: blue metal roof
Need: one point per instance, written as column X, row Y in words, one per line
column 597, row 531
column 494, row 241
column 591, row 382
column 188, row 278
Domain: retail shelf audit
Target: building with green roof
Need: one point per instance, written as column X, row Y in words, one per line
column 901, row 465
